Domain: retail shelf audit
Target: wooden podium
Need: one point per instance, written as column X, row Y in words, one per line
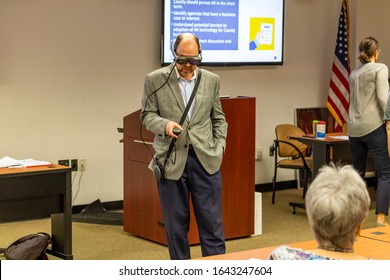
column 141, row 206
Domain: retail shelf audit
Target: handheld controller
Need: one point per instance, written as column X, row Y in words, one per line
column 176, row 131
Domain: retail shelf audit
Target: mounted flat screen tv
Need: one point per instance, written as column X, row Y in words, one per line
column 231, row 32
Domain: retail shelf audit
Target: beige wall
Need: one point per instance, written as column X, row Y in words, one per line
column 373, row 20
column 71, row 70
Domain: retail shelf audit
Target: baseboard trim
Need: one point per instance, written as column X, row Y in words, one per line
column 292, row 184
column 283, row 185
column 266, row 187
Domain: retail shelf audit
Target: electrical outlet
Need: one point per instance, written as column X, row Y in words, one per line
column 64, row 162
column 73, row 164
column 82, row 164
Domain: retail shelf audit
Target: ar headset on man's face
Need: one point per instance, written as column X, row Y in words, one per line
column 193, row 60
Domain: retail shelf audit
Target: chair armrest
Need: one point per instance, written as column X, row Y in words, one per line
column 300, row 154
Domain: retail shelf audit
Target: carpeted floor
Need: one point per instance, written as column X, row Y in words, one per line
column 110, row 242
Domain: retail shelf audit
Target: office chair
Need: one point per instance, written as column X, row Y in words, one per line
column 291, row 154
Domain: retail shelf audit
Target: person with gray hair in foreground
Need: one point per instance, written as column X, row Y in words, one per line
column 337, row 203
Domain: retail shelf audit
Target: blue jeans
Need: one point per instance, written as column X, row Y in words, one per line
column 376, row 143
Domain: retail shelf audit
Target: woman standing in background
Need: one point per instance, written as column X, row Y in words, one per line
column 369, row 89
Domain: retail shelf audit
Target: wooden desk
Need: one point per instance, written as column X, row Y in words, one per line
column 379, row 233
column 368, row 247
column 321, row 149
column 333, row 147
column 260, row 253
column 37, row 192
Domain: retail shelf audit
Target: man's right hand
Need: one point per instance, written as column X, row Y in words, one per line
column 169, row 129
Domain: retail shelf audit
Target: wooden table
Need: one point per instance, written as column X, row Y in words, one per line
column 260, row 253
column 378, row 249
column 379, row 233
column 370, row 248
column 333, row 147
column 38, row 192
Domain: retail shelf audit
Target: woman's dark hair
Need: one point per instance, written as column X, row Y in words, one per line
column 367, row 48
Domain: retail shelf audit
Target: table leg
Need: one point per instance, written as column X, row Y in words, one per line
column 61, row 230
column 61, row 225
column 320, row 156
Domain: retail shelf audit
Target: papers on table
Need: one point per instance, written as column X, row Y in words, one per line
column 29, row 162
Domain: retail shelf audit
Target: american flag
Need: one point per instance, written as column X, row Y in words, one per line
column 338, row 97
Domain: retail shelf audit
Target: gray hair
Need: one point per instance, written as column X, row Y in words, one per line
column 337, row 202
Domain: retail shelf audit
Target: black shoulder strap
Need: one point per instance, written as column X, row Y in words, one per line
column 183, row 117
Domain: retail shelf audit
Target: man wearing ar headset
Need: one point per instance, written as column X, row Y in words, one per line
column 193, row 169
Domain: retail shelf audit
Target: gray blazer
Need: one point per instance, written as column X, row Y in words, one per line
column 206, row 130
